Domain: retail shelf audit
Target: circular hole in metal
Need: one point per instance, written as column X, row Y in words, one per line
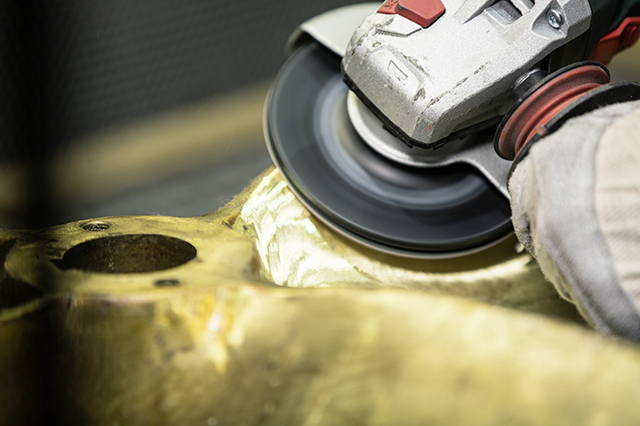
column 167, row 283
column 96, row 226
column 127, row 254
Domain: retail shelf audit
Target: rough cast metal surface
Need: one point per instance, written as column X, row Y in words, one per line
column 427, row 92
column 244, row 333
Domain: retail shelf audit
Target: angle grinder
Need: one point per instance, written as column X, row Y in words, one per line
column 397, row 125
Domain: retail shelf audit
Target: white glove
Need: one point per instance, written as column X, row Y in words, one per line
column 576, row 207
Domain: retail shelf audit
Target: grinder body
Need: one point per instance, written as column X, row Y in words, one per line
column 432, row 81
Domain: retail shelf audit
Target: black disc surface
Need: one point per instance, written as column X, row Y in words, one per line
column 414, row 211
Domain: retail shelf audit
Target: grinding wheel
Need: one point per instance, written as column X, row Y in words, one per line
column 411, row 211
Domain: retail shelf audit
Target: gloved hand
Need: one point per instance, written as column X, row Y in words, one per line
column 576, row 207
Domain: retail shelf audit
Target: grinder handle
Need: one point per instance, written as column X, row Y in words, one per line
column 610, row 30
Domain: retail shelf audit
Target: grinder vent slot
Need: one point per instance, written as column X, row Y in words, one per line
column 504, row 11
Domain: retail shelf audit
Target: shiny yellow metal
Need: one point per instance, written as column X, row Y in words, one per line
column 259, row 315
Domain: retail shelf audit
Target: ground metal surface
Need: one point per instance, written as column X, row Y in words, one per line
column 277, row 320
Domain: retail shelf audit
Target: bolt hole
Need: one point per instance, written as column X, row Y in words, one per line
column 167, row 283
column 96, row 226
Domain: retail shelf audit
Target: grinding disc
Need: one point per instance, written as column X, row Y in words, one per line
column 445, row 211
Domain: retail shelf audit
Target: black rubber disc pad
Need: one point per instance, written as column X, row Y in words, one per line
column 400, row 209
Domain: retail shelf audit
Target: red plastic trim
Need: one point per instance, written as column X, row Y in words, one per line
column 623, row 37
column 422, row 12
column 389, row 7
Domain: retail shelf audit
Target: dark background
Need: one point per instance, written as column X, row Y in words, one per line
column 72, row 67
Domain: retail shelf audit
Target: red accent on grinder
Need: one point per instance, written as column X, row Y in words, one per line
column 389, row 7
column 545, row 103
column 625, row 36
column 422, row 12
